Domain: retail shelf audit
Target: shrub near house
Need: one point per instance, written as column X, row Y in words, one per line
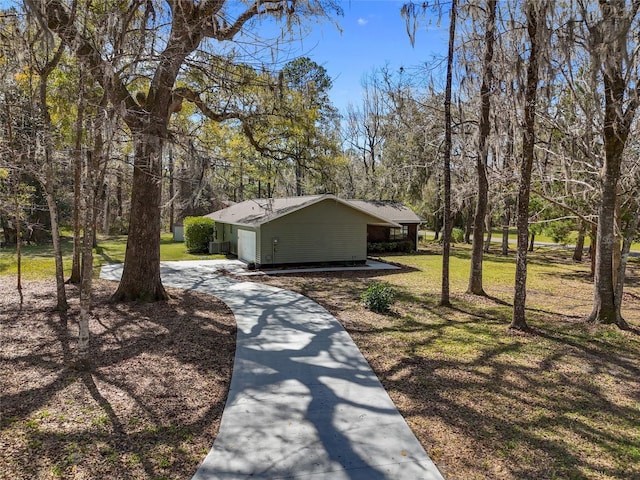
column 198, row 232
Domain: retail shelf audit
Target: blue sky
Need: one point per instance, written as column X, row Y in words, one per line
column 373, row 35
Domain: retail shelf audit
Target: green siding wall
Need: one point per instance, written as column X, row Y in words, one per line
column 327, row 231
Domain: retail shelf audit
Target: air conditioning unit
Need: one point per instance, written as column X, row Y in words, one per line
column 218, row 247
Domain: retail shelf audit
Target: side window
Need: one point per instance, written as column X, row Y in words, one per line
column 399, row 233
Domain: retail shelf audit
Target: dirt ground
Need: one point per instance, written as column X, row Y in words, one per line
column 486, row 404
column 149, row 408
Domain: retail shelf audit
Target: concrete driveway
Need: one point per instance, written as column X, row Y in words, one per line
column 303, row 402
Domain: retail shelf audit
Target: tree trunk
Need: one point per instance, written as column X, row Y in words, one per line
column 505, row 228
column 106, row 210
column 299, row 173
column 617, row 238
column 61, row 295
column 17, row 209
column 488, row 222
column 141, row 273
column 77, row 199
column 475, row 275
column 532, row 241
column 77, row 187
column 468, row 224
column 534, row 14
column 577, row 252
column 604, row 306
column 448, row 219
column 16, row 196
column 437, row 225
column 172, row 191
column 84, row 347
column 49, row 187
column 593, row 236
column 611, row 38
column 119, row 201
column 624, row 257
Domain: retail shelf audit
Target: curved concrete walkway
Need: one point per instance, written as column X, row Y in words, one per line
column 303, row 402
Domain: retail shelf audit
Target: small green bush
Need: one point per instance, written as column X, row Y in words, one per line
column 378, row 297
column 457, row 235
column 559, row 231
column 198, row 232
column 382, row 247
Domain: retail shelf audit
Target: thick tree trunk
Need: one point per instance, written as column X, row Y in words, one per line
column 617, row 238
column 141, row 274
column 593, row 236
column 604, row 305
column 612, row 37
column 534, row 14
column 448, row 218
column 477, row 251
column 475, row 274
column 632, row 228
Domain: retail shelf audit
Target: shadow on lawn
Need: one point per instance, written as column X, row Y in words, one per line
column 130, row 350
column 553, row 404
column 558, row 402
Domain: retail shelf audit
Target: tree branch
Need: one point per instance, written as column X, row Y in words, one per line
column 565, row 207
column 60, row 21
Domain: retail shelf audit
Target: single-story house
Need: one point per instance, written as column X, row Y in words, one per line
column 307, row 230
column 396, row 212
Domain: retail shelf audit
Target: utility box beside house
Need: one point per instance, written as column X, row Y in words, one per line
column 178, row 232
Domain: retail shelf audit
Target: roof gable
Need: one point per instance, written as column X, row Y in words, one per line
column 263, row 210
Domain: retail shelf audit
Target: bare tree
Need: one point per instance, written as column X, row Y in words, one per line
column 484, row 128
column 446, row 158
column 49, row 181
column 611, row 45
column 536, row 16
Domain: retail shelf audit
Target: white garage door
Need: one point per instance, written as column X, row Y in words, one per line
column 247, row 246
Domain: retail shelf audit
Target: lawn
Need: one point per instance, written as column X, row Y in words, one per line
column 561, row 402
column 487, row 403
column 541, row 239
column 38, row 261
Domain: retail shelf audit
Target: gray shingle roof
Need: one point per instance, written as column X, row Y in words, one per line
column 395, row 211
column 262, row 210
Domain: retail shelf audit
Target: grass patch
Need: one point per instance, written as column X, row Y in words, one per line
column 38, row 261
column 496, row 236
column 488, row 403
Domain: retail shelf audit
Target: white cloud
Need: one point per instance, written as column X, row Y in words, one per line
column 362, row 21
